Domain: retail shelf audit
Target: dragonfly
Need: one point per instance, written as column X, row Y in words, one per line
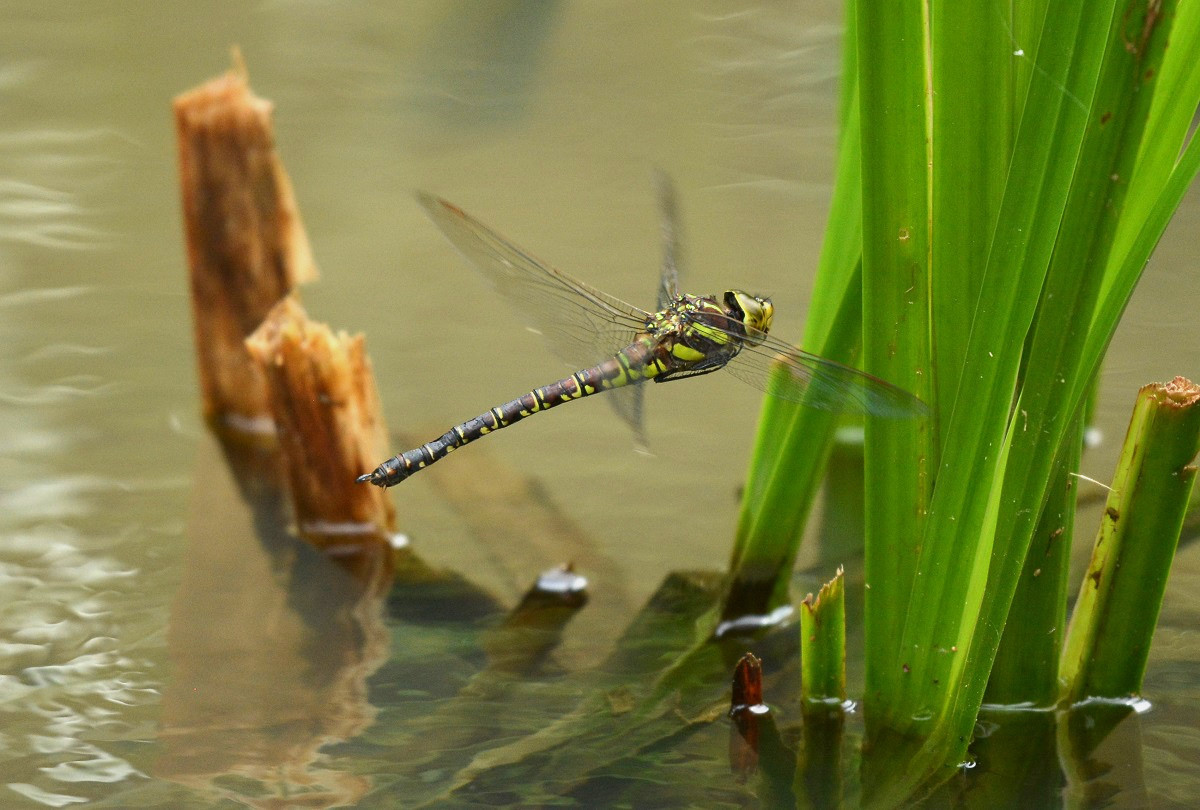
column 687, row 336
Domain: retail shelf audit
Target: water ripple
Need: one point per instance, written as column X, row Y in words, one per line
column 37, row 295
column 45, row 217
column 51, row 178
column 96, row 766
column 56, row 394
column 44, row 797
column 70, row 673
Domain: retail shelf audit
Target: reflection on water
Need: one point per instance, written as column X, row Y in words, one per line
column 247, row 711
column 477, row 64
column 75, row 669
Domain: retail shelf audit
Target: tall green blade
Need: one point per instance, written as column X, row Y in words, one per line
column 893, row 64
column 1176, row 82
column 1040, row 427
column 971, row 49
column 1025, row 669
column 957, row 548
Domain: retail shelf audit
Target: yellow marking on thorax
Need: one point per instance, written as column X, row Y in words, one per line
column 686, row 353
column 716, row 335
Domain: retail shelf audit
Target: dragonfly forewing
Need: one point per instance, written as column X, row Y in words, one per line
column 580, row 323
column 668, row 211
column 629, row 402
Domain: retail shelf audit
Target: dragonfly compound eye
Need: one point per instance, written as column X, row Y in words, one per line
column 756, row 313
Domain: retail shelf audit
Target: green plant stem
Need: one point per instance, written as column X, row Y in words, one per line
column 971, row 48
column 819, row 780
column 823, row 645
column 1119, row 600
column 894, row 101
column 1042, row 428
column 1025, row 670
column 957, row 552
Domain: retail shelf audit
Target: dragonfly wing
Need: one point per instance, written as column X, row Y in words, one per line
column 628, row 402
column 581, row 323
column 668, row 288
column 795, row 375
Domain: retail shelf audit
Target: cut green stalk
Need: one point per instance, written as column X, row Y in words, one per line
column 823, row 645
column 1118, row 605
column 822, row 694
column 819, row 781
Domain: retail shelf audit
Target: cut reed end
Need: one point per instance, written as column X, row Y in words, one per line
column 246, row 244
column 1179, row 392
column 328, row 415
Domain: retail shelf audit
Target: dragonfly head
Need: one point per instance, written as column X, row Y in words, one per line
column 754, row 312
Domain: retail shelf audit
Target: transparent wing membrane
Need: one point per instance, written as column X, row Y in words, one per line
column 581, row 324
column 585, row 326
column 668, row 287
column 797, row 376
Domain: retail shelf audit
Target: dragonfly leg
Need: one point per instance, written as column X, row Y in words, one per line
column 683, row 374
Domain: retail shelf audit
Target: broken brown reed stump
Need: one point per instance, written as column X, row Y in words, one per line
column 745, row 710
column 246, row 246
column 327, row 413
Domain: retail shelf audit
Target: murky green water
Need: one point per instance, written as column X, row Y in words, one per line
column 155, row 650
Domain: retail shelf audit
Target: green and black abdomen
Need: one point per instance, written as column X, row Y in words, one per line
column 634, row 364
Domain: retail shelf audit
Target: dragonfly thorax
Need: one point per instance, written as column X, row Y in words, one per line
column 703, row 333
column 735, row 312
